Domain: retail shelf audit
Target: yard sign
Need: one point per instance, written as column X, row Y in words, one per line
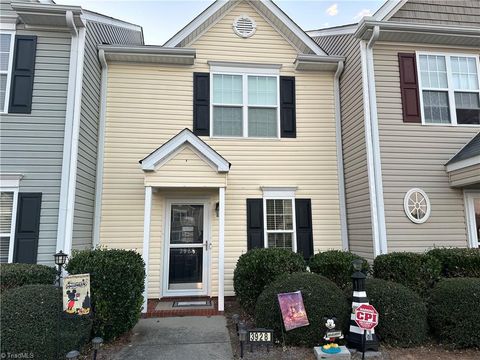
column 76, row 294
column 366, row 317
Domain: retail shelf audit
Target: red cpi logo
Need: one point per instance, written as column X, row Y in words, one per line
column 366, row 317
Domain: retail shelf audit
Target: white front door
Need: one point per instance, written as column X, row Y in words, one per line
column 472, row 212
column 187, row 248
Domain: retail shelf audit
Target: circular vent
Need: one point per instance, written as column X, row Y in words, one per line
column 244, row 26
column 416, row 205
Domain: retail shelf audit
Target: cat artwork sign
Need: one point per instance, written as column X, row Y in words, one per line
column 76, row 295
column 293, row 310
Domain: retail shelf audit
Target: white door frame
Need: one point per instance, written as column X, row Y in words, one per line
column 207, row 243
column 469, row 195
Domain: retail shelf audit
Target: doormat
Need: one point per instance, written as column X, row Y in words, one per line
column 192, row 303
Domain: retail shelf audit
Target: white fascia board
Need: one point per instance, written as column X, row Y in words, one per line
column 92, row 16
column 337, row 30
column 474, row 160
column 389, row 8
column 185, row 136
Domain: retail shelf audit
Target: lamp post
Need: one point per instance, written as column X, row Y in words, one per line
column 60, row 260
column 96, row 343
column 242, row 334
column 236, row 319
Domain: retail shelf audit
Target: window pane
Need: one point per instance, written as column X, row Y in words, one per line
column 435, row 107
column 227, row 121
column 280, row 240
column 227, row 89
column 262, row 122
column 3, row 86
column 467, row 107
column 4, row 51
column 6, row 204
column 279, row 214
column 262, row 90
column 464, row 73
column 433, row 71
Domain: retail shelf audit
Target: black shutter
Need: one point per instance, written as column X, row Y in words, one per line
column 254, row 224
column 201, row 104
column 27, row 228
column 23, row 69
column 303, row 214
column 409, row 88
column 287, row 107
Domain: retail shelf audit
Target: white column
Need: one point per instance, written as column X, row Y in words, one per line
column 146, row 240
column 221, row 248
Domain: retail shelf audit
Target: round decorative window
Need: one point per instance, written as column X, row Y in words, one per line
column 417, row 205
column 244, row 26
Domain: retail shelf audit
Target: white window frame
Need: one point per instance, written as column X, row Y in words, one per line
column 450, row 90
column 287, row 193
column 11, row 235
column 469, row 196
column 4, row 109
column 245, row 73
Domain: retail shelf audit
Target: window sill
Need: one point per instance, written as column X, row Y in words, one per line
column 451, row 125
column 244, row 138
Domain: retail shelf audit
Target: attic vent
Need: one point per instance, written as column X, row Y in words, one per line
column 244, row 26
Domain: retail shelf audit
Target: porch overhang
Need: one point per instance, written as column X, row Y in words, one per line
column 463, row 169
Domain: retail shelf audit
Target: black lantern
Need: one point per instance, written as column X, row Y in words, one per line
column 236, row 319
column 357, row 264
column 96, row 343
column 242, row 334
column 73, row 355
column 60, row 258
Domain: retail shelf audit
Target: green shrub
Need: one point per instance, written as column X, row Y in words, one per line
column 259, row 267
column 418, row 272
column 321, row 298
column 15, row 275
column 337, row 266
column 30, row 323
column 117, row 284
column 402, row 313
column 458, row 262
column 453, row 312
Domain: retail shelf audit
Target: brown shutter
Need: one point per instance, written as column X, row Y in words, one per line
column 409, row 88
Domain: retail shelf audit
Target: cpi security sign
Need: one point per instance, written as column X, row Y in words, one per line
column 366, row 317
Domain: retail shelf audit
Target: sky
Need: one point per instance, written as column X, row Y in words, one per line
column 161, row 19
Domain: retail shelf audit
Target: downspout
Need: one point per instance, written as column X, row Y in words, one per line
column 70, row 141
column 100, row 149
column 381, row 240
column 341, row 176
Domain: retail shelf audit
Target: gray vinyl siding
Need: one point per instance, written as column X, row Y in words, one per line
column 413, row 155
column 448, row 12
column 6, row 9
column 96, row 33
column 466, row 177
column 354, row 147
column 32, row 144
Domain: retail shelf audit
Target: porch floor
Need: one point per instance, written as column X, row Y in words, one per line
column 164, row 308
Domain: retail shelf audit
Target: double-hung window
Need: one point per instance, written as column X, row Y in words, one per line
column 7, row 224
column 280, row 227
column 450, row 89
column 245, row 105
column 6, row 58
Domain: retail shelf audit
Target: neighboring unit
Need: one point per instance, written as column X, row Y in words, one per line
column 410, row 102
column 233, row 122
column 49, row 104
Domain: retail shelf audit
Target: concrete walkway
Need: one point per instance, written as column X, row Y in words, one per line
column 178, row 338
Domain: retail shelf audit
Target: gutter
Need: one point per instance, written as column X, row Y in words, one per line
column 100, row 149
column 71, row 135
column 372, row 139
column 341, row 176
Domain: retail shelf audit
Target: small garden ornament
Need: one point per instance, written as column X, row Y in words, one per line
column 331, row 336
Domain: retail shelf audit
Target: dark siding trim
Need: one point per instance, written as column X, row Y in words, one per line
column 287, row 107
column 255, row 224
column 201, row 104
column 304, row 231
column 27, row 228
column 409, row 88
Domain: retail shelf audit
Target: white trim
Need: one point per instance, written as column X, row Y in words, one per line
column 8, row 26
column 457, row 165
column 100, row 149
column 10, row 180
column 221, row 249
column 276, row 195
column 407, row 210
column 279, row 192
column 332, row 31
column 469, row 197
column 91, row 16
column 235, row 26
column 4, row 110
column 388, row 9
column 146, row 241
column 244, row 68
column 12, row 187
column 339, row 146
column 185, row 136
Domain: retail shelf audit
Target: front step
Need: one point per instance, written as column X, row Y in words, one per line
column 171, row 307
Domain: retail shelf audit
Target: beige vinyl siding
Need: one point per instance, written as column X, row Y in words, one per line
column 149, row 104
column 413, row 155
column 448, row 12
column 353, row 138
column 466, row 176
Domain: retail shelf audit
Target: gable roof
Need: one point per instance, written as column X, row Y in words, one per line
column 471, row 150
column 266, row 8
column 186, row 136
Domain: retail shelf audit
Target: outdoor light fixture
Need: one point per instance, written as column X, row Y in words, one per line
column 60, row 258
column 73, row 355
column 217, row 208
column 236, row 319
column 357, row 264
column 242, row 333
column 242, row 326
column 96, row 343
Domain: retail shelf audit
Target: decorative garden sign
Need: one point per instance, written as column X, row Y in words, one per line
column 293, row 310
column 76, row 294
column 366, row 317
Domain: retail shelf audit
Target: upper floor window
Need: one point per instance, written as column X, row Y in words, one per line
column 245, row 105
column 6, row 55
column 450, row 89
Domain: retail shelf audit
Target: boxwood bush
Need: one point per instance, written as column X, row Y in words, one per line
column 337, row 266
column 418, row 272
column 458, row 262
column 259, row 267
column 15, row 275
column 321, row 298
column 29, row 318
column 117, row 284
column 453, row 312
column 402, row 313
